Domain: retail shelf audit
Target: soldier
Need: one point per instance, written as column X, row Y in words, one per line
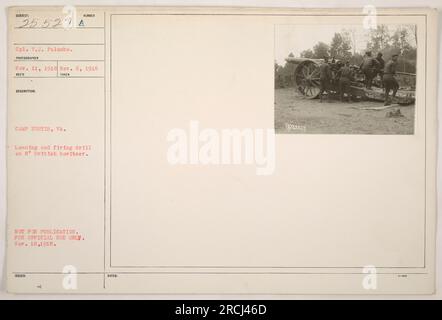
column 390, row 82
column 380, row 66
column 335, row 71
column 368, row 67
column 345, row 77
column 324, row 78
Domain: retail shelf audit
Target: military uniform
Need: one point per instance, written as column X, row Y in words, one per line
column 345, row 77
column 380, row 67
column 324, row 78
column 390, row 82
column 368, row 67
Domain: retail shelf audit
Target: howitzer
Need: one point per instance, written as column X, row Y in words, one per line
column 307, row 83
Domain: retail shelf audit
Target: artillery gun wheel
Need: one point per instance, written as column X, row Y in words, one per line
column 307, row 79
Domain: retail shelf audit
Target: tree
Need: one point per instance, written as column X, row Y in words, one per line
column 277, row 66
column 340, row 47
column 321, row 50
column 356, row 59
column 350, row 34
column 400, row 41
column 412, row 30
column 307, row 54
column 379, row 38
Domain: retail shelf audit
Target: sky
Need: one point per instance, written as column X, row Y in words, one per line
column 297, row 38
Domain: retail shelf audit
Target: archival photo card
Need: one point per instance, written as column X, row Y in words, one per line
column 143, row 157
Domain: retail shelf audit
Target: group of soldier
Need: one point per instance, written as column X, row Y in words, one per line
column 371, row 67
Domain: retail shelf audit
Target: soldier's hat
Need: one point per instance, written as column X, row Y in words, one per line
column 395, row 54
column 368, row 51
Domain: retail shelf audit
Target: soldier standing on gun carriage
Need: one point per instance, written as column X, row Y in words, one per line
column 380, row 67
column 390, row 82
column 368, row 67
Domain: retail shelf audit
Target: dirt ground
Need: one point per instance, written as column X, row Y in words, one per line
column 295, row 114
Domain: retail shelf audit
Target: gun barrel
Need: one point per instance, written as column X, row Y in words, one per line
column 406, row 73
column 300, row 60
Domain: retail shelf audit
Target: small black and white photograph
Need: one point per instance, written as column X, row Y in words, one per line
column 335, row 79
